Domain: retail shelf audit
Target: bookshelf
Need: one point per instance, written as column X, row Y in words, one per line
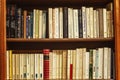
column 25, row 44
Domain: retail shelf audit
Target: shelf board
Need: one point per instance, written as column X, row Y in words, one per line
column 57, row 2
column 61, row 40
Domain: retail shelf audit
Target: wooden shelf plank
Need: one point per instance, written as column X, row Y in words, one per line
column 60, row 40
column 57, row 2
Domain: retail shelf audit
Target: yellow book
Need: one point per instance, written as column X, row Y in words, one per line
column 10, row 65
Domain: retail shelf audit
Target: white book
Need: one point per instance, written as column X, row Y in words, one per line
column 91, row 22
column 50, row 21
column 61, row 22
column 32, row 68
column 75, row 18
column 34, row 24
column 56, row 23
column 84, row 21
column 105, row 23
column 7, row 63
column 87, row 65
column 95, row 24
column 36, row 66
column 105, row 62
column 40, row 23
column 100, row 63
column 88, row 22
column 21, row 66
column 94, row 61
column 28, row 66
column 17, row 66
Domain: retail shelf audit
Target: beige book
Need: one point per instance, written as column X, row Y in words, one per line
column 77, row 63
column 87, row 65
column 105, row 62
column 40, row 23
column 51, row 65
column 81, row 52
column 14, row 66
column 91, row 22
column 74, row 63
column 37, row 23
column 56, row 35
column 84, row 62
column 24, row 66
column 70, row 25
column 105, row 27
column 36, row 66
column 28, row 66
column 32, row 68
column 53, row 23
column 95, row 24
column 50, row 22
column 7, row 63
column 61, row 22
column 55, row 64
column 68, row 64
column 94, row 61
column 21, row 66
column 64, row 63
column 34, row 22
column 75, row 18
column 17, row 66
column 60, row 68
column 109, row 64
column 84, row 21
column 100, row 63
column 41, row 66
column 88, row 22
column 10, row 65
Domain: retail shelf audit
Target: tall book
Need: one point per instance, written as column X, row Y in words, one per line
column 46, row 63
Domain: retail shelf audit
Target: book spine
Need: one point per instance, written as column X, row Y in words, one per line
column 32, row 68
column 7, row 63
column 61, row 22
column 91, row 65
column 41, row 66
column 46, row 63
column 65, row 22
column 10, row 65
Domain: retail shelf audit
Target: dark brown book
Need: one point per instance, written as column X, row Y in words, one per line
column 65, row 22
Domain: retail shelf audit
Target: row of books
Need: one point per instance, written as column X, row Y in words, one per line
column 60, row 22
column 78, row 64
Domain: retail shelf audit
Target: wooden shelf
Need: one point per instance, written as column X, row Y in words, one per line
column 61, row 40
column 37, row 44
column 57, row 2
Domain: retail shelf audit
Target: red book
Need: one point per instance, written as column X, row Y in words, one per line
column 71, row 71
column 46, row 63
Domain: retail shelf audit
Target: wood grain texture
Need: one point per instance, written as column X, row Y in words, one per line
column 2, row 39
column 117, row 36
